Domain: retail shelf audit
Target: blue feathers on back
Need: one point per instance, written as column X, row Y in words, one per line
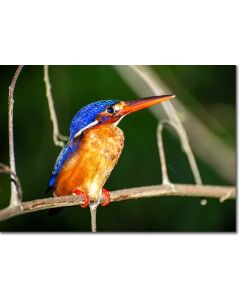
column 81, row 120
column 66, row 152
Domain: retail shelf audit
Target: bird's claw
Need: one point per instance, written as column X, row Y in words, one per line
column 107, row 197
column 86, row 197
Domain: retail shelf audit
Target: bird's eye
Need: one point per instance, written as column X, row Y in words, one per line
column 110, row 110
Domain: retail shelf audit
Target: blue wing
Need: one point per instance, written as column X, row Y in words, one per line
column 64, row 155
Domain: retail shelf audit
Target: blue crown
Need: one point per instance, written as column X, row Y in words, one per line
column 87, row 115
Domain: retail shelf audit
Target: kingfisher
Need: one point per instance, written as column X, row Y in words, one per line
column 93, row 149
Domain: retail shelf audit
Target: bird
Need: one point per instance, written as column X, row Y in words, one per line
column 93, row 149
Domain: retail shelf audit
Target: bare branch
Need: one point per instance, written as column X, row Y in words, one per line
column 183, row 190
column 58, row 138
column 93, row 210
column 165, row 178
column 161, row 149
column 16, row 197
column 6, row 170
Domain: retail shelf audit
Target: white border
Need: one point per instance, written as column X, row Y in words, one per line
column 153, row 266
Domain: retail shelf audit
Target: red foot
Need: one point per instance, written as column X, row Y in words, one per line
column 107, row 197
column 86, row 197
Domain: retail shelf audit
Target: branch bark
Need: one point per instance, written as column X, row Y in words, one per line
column 93, row 211
column 58, row 138
column 222, row 193
column 165, row 178
column 6, row 170
column 16, row 196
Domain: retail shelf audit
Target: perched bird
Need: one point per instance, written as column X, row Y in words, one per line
column 94, row 147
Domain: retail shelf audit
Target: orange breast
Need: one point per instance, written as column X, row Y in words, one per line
column 90, row 166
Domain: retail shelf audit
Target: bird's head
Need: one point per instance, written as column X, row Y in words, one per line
column 109, row 111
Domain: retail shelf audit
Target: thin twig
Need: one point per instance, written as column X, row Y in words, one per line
column 58, row 138
column 179, row 133
column 93, row 211
column 165, row 178
column 148, row 76
column 16, row 198
column 6, row 170
column 182, row 190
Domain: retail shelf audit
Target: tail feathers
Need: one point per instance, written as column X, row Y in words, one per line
column 51, row 183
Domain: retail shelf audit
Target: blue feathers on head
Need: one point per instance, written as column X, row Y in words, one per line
column 88, row 115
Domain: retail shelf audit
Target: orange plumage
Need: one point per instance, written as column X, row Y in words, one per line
column 90, row 166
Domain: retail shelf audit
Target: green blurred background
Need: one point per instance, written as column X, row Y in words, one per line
column 211, row 87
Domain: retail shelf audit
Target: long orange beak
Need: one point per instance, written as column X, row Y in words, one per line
column 135, row 105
